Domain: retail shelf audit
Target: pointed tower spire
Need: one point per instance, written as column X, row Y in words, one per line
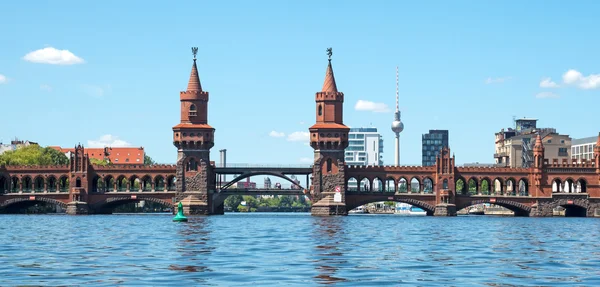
column 194, row 83
column 329, row 84
column 397, row 93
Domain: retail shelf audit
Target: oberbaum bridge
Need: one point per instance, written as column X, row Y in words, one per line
column 84, row 188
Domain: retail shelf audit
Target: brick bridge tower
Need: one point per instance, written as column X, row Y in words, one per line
column 194, row 138
column 329, row 138
column 79, row 182
column 445, row 184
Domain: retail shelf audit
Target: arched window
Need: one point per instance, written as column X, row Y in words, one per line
column 320, row 110
column 78, row 182
column 445, row 185
column 328, row 165
column 192, row 112
column 192, row 165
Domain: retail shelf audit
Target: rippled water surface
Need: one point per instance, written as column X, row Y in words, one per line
column 298, row 250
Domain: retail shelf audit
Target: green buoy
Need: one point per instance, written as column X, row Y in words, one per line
column 180, row 217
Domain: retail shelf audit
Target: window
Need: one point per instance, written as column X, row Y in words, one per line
column 126, row 160
column 192, row 165
column 562, row 141
column 328, row 165
column 138, row 159
column 445, row 184
column 192, row 112
column 320, row 110
column 549, row 141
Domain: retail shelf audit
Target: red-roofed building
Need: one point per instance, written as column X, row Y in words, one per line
column 115, row 155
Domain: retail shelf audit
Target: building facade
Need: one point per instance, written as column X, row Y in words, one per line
column 114, row 155
column 514, row 147
column 583, row 149
column 432, row 143
column 14, row 145
column 365, row 147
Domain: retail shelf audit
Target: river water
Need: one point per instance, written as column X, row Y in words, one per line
column 275, row 249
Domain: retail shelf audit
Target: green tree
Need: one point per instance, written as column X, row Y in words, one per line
column 34, row 155
column 233, row 201
column 390, row 203
column 148, row 160
column 472, row 186
column 100, row 162
column 460, row 184
column 485, row 187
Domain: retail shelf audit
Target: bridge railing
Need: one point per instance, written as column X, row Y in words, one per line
column 262, row 165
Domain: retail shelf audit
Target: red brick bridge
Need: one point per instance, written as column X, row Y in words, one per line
column 335, row 188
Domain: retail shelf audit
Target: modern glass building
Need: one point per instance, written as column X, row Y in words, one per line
column 365, row 147
column 432, row 144
column 583, row 148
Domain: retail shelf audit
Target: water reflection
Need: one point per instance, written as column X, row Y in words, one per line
column 328, row 235
column 193, row 245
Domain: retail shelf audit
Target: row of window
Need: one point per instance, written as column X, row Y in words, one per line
column 356, row 136
column 588, row 148
column 430, row 142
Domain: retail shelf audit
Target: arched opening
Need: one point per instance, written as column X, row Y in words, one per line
column 556, row 186
column 38, row 184
column 128, row 205
column 98, row 184
column 63, row 184
column 445, row 184
column 581, row 186
column 4, row 186
column 192, row 112
column 523, row 187
column 571, row 210
column 378, row 185
column 402, row 185
column 37, row 206
column 461, row 186
column 498, row 190
column 14, row 184
column 510, row 187
column 407, row 206
column 78, row 182
column 569, row 187
column 427, row 185
column 484, row 186
column 51, row 181
column 27, row 185
column 320, row 110
column 171, row 183
column 121, row 183
column 191, row 165
column 352, row 184
column 329, row 165
column 498, row 208
column 365, row 185
column 134, row 183
column 472, row 186
column 415, row 185
column 159, row 183
column 146, row 183
column 109, row 183
column 390, row 185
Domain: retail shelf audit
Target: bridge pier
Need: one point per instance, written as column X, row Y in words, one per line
column 327, row 207
column 195, row 205
column 445, row 209
column 78, row 208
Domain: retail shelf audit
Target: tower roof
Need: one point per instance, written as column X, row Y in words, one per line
column 329, row 84
column 538, row 142
column 194, row 82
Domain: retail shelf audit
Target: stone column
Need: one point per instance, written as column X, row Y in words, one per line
column 77, row 208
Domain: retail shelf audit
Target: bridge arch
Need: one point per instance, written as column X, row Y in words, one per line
column 461, row 185
column 430, row 209
column 106, row 206
column 13, row 203
column 427, row 185
column 485, row 186
column 255, row 173
column 26, row 183
column 573, row 208
column 581, row 185
column 473, row 185
column 51, row 183
column 378, row 184
column 350, row 184
column 402, row 185
column 556, row 185
column 511, row 186
column 14, row 184
column 415, row 185
column 498, row 186
column 518, row 208
column 159, row 183
column 390, row 185
column 4, row 184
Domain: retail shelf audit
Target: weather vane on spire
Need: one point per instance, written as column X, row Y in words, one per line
column 194, row 51
column 329, row 53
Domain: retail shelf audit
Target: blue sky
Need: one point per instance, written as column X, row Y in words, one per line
column 466, row 66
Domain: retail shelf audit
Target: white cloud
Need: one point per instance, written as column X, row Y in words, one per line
column 548, row 83
column 371, row 106
column 574, row 77
column 491, row 80
column 108, row 140
column 53, row 56
column 96, row 91
column 547, row 95
column 298, row 136
column 3, row 79
column 305, row 160
column 276, row 134
column 302, row 122
column 46, row 88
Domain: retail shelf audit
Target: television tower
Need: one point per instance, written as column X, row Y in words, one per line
column 397, row 126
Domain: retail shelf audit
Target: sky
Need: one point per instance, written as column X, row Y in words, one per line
column 110, row 72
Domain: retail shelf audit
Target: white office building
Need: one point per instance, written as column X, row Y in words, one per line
column 583, row 148
column 365, row 147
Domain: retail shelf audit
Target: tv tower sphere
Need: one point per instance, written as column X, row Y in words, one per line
column 397, row 126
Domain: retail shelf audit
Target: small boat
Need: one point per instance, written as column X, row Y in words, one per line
column 476, row 210
column 415, row 211
column 360, row 209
